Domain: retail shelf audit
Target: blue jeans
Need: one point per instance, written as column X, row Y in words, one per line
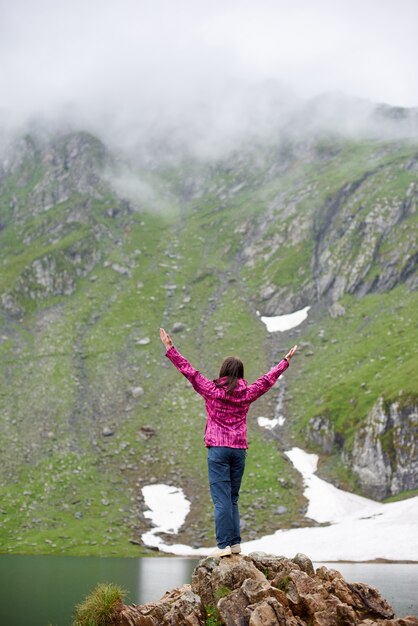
column 225, row 469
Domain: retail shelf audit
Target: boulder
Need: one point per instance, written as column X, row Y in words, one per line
column 263, row 590
column 180, row 607
column 178, row 327
column 213, row 574
column 304, row 563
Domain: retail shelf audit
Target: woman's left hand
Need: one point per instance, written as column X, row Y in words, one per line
column 166, row 339
column 290, row 354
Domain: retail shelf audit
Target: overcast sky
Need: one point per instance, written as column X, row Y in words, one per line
column 118, row 60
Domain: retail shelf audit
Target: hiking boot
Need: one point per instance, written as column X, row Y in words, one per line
column 222, row 551
column 236, row 548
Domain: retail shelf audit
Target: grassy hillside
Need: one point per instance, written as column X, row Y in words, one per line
column 89, row 276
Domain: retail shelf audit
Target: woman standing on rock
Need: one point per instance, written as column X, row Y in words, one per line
column 228, row 399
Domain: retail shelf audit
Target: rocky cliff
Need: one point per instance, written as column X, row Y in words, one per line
column 261, row 590
column 385, row 454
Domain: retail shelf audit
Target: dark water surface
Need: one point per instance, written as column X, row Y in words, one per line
column 43, row 590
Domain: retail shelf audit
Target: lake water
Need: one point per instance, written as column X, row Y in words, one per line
column 43, row 590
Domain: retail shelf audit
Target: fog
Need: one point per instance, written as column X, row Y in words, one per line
column 203, row 72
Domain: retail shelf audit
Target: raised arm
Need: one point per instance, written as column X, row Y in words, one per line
column 166, row 339
column 264, row 383
column 202, row 385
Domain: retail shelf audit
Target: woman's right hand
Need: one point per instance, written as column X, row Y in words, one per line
column 290, row 354
column 166, row 339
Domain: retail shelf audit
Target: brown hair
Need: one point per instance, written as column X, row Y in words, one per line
column 233, row 368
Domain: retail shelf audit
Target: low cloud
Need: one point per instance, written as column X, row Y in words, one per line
column 203, row 74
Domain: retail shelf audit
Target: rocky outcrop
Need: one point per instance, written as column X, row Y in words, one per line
column 385, row 451
column 54, row 274
column 180, row 606
column 321, row 433
column 264, row 590
column 54, row 171
column 351, row 243
column 356, row 247
column 63, row 243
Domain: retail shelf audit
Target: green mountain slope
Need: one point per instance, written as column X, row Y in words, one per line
column 90, row 409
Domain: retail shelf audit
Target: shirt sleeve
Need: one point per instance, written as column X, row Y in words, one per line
column 264, row 383
column 202, row 385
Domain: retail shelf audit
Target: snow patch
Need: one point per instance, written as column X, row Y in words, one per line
column 168, row 509
column 326, row 502
column 266, row 422
column 285, row 322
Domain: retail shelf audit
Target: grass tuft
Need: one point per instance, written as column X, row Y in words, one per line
column 284, row 584
column 99, row 605
column 222, row 592
column 212, row 616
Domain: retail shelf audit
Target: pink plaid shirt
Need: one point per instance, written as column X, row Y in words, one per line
column 226, row 412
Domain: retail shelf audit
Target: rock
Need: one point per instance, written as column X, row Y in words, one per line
column 362, row 598
column 280, row 510
column 135, row 542
column 267, row 292
column 269, row 613
column 248, row 600
column 336, row 310
column 107, row 432
column 263, row 590
column 120, row 269
column 213, row 573
column 146, row 432
column 136, row 392
column 304, row 563
column 10, row 304
column 144, row 341
column 321, row 335
column 368, row 600
column 187, row 610
column 321, row 432
column 180, row 607
column 178, row 327
column 232, row 608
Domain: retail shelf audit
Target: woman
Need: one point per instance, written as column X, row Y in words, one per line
column 228, row 399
